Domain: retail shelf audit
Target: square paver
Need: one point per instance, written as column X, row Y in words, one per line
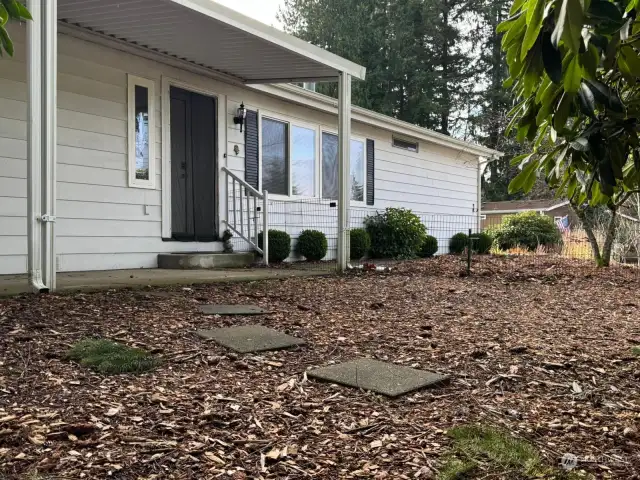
column 233, row 310
column 380, row 377
column 251, row 338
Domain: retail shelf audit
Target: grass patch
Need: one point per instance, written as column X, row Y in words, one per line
column 110, row 357
column 480, row 451
column 636, row 351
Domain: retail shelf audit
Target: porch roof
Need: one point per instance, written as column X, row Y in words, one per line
column 209, row 35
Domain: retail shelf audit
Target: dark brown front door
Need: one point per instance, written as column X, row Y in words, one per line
column 193, row 166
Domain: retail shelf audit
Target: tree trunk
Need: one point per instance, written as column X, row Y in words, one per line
column 610, row 237
column 593, row 241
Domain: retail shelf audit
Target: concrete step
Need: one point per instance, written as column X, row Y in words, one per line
column 204, row 261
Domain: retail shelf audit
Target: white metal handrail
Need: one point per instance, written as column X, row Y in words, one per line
column 242, row 214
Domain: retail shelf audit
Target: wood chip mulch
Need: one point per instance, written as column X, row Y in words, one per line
column 539, row 347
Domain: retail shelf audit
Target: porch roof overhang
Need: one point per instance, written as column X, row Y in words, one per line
column 210, row 36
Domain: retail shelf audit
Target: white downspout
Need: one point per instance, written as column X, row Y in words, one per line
column 481, row 165
column 344, row 165
column 41, row 148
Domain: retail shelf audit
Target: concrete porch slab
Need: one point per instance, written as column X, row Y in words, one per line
column 196, row 261
column 233, row 310
column 251, row 338
column 380, row 377
column 140, row 278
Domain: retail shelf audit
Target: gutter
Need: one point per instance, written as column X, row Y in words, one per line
column 327, row 104
column 520, row 210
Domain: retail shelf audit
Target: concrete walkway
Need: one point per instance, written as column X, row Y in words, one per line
column 75, row 281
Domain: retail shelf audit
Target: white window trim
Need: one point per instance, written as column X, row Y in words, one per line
column 134, row 182
column 291, row 122
column 408, row 140
column 357, row 138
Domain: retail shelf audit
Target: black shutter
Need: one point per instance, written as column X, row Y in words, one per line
column 251, row 139
column 371, row 172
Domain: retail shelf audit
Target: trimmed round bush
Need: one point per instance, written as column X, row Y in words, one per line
column 360, row 242
column 458, row 243
column 482, row 243
column 429, row 247
column 312, row 244
column 279, row 245
column 395, row 233
column 527, row 230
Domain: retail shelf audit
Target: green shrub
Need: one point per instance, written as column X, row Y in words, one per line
column 360, row 243
column 312, row 244
column 429, row 247
column 279, row 245
column 482, row 243
column 396, row 233
column 527, row 230
column 458, row 243
column 110, row 357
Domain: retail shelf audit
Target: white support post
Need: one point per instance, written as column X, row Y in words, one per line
column 344, row 162
column 265, row 227
column 42, row 50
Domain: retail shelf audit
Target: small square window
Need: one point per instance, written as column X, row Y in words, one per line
column 141, row 137
column 406, row 144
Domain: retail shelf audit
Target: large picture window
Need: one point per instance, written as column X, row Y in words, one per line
column 299, row 160
column 141, row 137
column 357, row 172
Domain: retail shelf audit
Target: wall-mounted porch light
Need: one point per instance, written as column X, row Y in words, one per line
column 240, row 116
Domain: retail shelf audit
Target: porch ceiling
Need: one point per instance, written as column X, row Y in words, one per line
column 209, row 35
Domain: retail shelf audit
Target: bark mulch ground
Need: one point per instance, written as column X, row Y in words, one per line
column 539, row 348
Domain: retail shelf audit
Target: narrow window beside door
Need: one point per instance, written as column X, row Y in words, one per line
column 141, row 138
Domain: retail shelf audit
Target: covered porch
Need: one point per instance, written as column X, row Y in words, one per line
column 200, row 37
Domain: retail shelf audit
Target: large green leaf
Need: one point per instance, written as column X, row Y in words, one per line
column 525, row 180
column 604, row 95
column 515, row 32
column 587, row 101
column 562, row 112
column 552, row 59
column 507, row 24
column 604, row 10
column 535, row 8
column 4, row 15
column 632, row 60
column 5, row 41
column 573, row 75
column 569, row 25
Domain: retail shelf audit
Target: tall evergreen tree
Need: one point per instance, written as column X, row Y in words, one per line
column 418, row 68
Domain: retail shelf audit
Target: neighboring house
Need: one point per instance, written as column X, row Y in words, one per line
column 151, row 158
column 493, row 212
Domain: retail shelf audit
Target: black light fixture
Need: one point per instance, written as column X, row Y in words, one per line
column 240, row 116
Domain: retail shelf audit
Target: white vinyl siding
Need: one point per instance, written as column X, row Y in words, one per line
column 103, row 223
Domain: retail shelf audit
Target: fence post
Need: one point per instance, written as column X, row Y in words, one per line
column 265, row 227
column 469, row 248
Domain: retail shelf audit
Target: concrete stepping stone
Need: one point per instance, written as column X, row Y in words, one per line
column 250, row 338
column 380, row 377
column 233, row 310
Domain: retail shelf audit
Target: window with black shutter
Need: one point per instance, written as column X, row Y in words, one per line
column 251, row 156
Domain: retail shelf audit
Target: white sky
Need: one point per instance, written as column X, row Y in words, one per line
column 263, row 10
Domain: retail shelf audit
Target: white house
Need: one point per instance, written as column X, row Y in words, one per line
column 122, row 141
